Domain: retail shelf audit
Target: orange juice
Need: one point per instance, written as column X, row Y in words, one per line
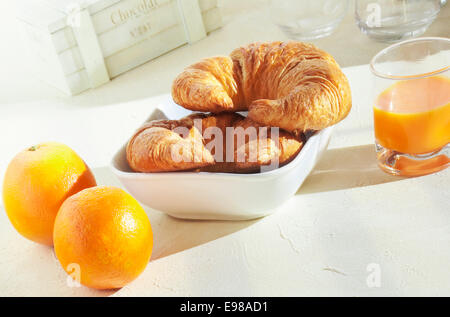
column 413, row 116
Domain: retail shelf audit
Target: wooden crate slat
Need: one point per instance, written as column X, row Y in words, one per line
column 137, row 30
column 206, row 5
column 192, row 20
column 212, row 19
column 153, row 47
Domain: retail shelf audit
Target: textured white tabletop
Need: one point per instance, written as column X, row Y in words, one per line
column 350, row 230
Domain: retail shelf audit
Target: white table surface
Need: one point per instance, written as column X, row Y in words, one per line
column 346, row 216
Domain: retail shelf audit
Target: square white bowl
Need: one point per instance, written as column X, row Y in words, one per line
column 218, row 196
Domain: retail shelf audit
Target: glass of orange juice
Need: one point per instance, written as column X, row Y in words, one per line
column 412, row 106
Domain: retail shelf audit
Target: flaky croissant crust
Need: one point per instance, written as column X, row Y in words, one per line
column 291, row 85
column 153, row 146
column 156, row 147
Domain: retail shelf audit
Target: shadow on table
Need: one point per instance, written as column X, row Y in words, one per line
column 345, row 168
column 176, row 235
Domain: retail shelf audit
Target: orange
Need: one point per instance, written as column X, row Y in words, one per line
column 105, row 234
column 36, row 183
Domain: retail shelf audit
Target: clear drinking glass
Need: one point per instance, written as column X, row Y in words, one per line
column 306, row 19
column 395, row 20
column 412, row 106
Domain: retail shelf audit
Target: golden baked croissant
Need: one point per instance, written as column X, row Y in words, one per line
column 254, row 145
column 291, row 85
column 162, row 146
column 156, row 147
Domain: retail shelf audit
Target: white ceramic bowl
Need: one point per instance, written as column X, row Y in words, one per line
column 218, row 196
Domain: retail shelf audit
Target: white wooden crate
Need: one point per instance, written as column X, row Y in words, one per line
column 80, row 44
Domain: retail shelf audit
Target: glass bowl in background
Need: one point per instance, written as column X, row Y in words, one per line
column 412, row 106
column 306, row 19
column 395, row 20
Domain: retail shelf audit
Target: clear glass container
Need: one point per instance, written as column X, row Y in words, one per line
column 395, row 20
column 306, row 19
column 412, row 106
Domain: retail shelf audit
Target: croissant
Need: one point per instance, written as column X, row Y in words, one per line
column 254, row 145
column 291, row 85
column 202, row 142
column 156, row 147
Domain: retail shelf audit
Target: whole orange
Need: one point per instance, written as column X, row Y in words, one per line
column 106, row 234
column 36, row 183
